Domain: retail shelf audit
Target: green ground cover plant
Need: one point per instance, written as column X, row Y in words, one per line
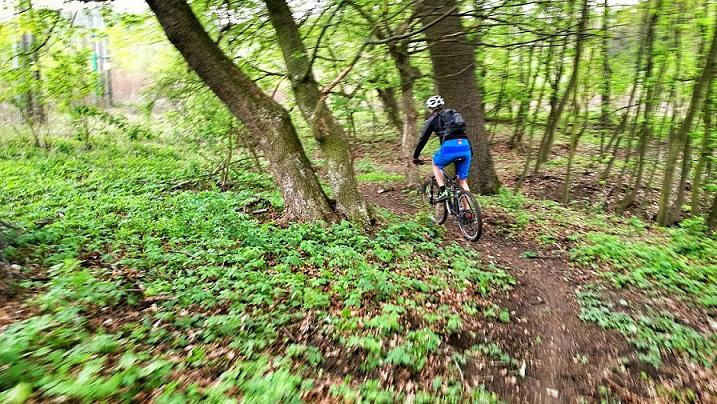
column 682, row 261
column 180, row 293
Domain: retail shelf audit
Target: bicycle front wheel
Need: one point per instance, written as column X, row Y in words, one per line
column 470, row 220
column 436, row 210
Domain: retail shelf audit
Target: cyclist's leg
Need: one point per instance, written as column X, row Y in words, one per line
column 439, row 161
column 463, row 184
column 438, row 173
column 463, row 165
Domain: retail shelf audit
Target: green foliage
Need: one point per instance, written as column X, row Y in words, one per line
column 201, row 274
column 70, row 79
column 380, row 177
column 493, row 351
column 369, row 171
column 413, row 352
column 80, row 115
column 685, row 262
column 57, row 356
column 651, row 333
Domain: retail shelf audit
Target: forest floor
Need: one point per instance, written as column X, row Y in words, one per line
column 139, row 279
column 566, row 358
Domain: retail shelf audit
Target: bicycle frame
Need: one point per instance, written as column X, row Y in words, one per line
column 460, row 204
column 453, row 189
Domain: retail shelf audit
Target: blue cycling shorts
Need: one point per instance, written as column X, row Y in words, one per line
column 457, row 151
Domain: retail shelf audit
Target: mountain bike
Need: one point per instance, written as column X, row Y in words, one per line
column 460, row 204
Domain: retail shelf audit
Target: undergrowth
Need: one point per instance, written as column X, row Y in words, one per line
column 682, row 263
column 652, row 333
column 179, row 294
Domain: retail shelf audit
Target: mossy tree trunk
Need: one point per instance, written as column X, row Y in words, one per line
column 326, row 130
column 269, row 124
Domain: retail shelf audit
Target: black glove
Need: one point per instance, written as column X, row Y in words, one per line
column 416, row 161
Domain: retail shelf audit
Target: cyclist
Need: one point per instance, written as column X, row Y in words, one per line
column 450, row 128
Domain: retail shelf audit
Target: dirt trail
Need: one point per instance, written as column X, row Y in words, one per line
column 566, row 359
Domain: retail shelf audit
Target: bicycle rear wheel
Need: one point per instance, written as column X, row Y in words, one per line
column 469, row 217
column 436, row 210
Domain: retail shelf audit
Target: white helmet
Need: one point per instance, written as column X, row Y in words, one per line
column 435, row 102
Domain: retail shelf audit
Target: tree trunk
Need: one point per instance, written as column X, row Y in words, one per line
column 528, row 78
column 646, row 126
column 618, row 133
column 698, row 93
column 575, row 132
column 605, row 119
column 549, row 137
column 267, row 121
column 501, row 92
column 390, row 106
column 454, row 69
column 553, row 100
column 534, row 119
column 705, row 152
column 407, row 75
column 327, row 131
column 676, row 210
column 30, row 104
column 712, row 216
column 398, row 50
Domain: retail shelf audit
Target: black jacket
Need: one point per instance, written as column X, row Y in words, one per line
column 434, row 124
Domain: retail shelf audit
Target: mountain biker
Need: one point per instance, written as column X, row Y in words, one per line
column 450, row 128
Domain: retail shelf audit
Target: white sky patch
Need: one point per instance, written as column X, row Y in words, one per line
column 300, row 7
column 8, row 7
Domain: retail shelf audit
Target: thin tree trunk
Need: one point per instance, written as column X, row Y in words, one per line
column 712, row 216
column 29, row 59
column 534, row 119
column 617, row 135
column 630, row 140
column 577, row 133
column 698, row 93
column 646, row 127
column 676, row 210
column 330, row 135
column 605, row 119
column 549, row 137
column 390, row 106
column 529, row 78
column 553, row 101
column 705, row 152
column 454, row 68
column 398, row 50
column 267, row 121
column 501, row 92
column 246, row 143
column 407, row 75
